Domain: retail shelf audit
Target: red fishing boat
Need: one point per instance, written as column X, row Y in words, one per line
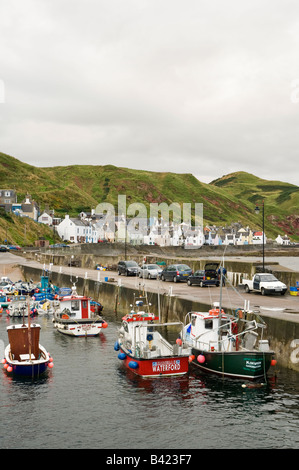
column 143, row 348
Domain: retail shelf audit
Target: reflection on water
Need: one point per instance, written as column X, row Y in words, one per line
column 89, row 400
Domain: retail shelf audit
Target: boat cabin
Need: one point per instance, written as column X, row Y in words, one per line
column 75, row 307
column 211, row 331
column 24, row 341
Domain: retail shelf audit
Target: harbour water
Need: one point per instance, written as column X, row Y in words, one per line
column 87, row 401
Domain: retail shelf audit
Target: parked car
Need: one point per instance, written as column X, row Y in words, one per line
column 3, row 248
column 59, row 245
column 201, row 279
column 150, row 271
column 264, row 283
column 129, row 268
column 176, row 272
column 14, row 247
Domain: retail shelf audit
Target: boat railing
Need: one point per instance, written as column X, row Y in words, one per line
column 252, row 326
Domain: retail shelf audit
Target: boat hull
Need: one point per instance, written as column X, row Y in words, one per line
column 157, row 367
column 249, row 365
column 78, row 329
column 34, row 368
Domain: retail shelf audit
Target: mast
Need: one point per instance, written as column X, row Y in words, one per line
column 29, row 331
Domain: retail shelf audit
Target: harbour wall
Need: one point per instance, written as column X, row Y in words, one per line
column 236, row 269
column 283, row 334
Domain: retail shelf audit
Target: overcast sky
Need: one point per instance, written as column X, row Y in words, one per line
column 189, row 86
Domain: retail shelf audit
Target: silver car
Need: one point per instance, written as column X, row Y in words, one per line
column 149, row 271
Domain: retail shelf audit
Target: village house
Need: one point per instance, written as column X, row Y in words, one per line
column 283, row 240
column 8, row 197
column 29, row 208
column 76, row 230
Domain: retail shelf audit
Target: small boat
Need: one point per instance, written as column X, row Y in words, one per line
column 229, row 345
column 24, row 355
column 145, row 351
column 21, row 305
column 77, row 316
column 5, row 299
column 48, row 307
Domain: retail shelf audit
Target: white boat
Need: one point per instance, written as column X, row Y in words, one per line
column 22, row 306
column 48, row 307
column 144, row 350
column 77, row 316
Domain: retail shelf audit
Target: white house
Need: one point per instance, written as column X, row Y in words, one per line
column 282, row 240
column 76, row 230
column 257, row 238
column 45, row 218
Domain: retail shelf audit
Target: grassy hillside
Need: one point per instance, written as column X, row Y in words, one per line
column 22, row 230
column 281, row 200
column 71, row 189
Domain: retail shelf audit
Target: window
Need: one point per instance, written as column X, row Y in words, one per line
column 208, row 324
column 75, row 305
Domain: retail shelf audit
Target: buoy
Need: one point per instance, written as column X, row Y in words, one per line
column 122, row 356
column 201, row 359
column 133, row 365
column 191, row 358
column 273, row 362
column 3, row 360
column 179, row 342
column 5, row 365
column 50, row 365
column 104, row 324
column 9, row 369
column 116, row 346
column 50, row 359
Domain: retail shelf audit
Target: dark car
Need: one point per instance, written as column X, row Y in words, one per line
column 205, row 277
column 176, row 272
column 129, row 268
column 3, row 248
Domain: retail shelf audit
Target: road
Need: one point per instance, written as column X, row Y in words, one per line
column 275, row 306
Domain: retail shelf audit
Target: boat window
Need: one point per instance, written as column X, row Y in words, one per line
column 193, row 320
column 208, row 324
column 75, row 305
column 125, row 326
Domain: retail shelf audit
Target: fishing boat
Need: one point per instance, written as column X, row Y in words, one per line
column 144, row 350
column 48, row 307
column 77, row 315
column 229, row 345
column 21, row 305
column 24, row 355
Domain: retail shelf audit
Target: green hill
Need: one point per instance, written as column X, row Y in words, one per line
column 76, row 188
column 281, row 200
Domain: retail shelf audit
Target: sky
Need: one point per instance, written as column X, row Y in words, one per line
column 196, row 86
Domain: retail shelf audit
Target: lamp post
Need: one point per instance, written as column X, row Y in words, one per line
column 257, row 211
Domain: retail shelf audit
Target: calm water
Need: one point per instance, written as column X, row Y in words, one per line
column 88, row 401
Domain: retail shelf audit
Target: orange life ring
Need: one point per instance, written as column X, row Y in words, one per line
column 65, row 316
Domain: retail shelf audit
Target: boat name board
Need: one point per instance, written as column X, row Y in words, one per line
column 165, row 366
column 253, row 364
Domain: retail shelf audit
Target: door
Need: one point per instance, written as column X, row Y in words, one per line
column 84, row 309
column 256, row 282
